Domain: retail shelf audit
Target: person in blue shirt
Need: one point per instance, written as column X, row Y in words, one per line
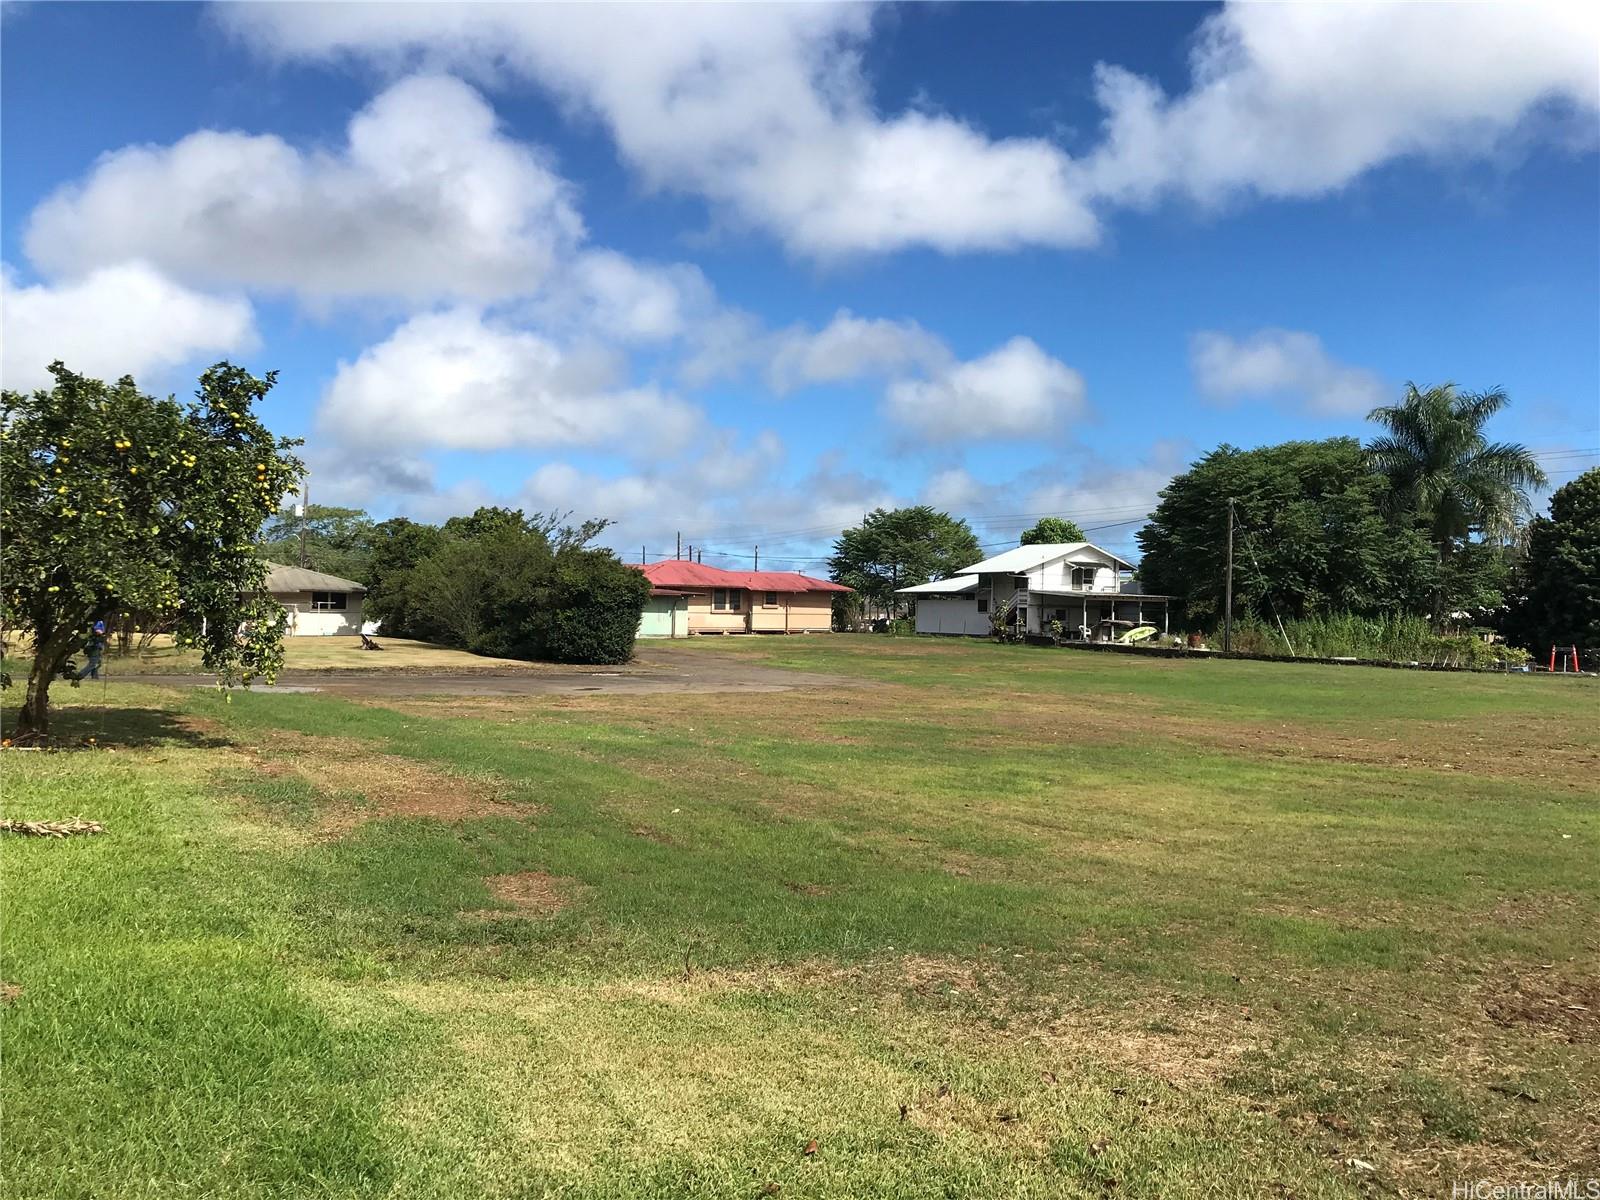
column 94, row 649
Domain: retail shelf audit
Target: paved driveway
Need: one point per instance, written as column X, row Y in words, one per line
column 653, row 671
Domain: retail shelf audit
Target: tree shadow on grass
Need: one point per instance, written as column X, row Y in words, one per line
column 89, row 728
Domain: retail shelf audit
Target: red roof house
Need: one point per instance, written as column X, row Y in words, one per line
column 706, row 599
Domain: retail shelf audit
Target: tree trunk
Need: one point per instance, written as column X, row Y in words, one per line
column 1445, row 547
column 48, row 655
column 34, row 720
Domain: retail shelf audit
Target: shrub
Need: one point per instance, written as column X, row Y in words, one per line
column 590, row 611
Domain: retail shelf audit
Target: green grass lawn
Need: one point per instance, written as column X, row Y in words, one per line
column 1010, row 922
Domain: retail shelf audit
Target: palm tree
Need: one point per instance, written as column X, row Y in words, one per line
column 1442, row 468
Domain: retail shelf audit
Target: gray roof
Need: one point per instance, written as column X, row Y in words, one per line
column 939, row 587
column 282, row 579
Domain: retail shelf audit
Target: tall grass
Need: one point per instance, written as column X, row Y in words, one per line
column 1395, row 637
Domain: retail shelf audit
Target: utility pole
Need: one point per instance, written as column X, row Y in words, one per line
column 641, row 556
column 678, row 553
column 305, row 516
column 757, row 567
column 1227, row 603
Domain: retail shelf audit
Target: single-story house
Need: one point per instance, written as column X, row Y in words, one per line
column 1086, row 588
column 692, row 598
column 318, row 604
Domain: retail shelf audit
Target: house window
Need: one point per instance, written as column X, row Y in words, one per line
column 983, row 602
column 327, row 601
column 725, row 600
column 1083, row 579
column 772, row 600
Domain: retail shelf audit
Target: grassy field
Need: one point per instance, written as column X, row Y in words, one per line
column 1009, row 922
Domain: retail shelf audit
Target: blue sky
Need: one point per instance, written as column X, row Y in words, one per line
column 746, row 273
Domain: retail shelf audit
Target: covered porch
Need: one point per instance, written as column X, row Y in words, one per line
column 1097, row 616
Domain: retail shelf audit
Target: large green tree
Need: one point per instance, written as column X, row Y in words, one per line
column 112, row 500
column 1559, row 592
column 900, row 548
column 398, row 545
column 1052, row 531
column 1313, row 535
column 1443, row 468
column 336, row 540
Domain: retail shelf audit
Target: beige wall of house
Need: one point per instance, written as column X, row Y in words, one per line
column 791, row 612
column 305, row 621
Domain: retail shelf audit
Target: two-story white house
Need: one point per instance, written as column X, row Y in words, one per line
column 1084, row 587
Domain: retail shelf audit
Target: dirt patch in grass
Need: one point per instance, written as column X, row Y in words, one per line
column 651, row 834
column 360, row 785
column 1548, row 1001
column 530, row 894
column 808, row 889
column 9, row 992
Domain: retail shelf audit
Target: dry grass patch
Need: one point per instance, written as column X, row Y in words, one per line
column 1549, row 1001
column 360, row 785
column 530, row 894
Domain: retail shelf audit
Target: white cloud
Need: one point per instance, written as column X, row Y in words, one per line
column 119, row 320
column 606, row 294
column 1109, row 502
column 1282, row 365
column 955, row 490
column 427, row 200
column 760, row 108
column 851, row 347
column 1300, row 99
column 1017, row 391
column 459, row 380
column 765, row 111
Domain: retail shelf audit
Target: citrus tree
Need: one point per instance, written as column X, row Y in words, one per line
column 112, row 500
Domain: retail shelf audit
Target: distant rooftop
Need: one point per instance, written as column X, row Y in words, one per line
column 281, row 579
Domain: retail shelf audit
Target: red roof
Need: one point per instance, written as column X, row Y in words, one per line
column 677, row 573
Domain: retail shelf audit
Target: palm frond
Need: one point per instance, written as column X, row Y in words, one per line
column 1474, row 408
column 1513, row 463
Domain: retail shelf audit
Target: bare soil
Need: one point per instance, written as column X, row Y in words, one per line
column 531, row 894
column 651, row 672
